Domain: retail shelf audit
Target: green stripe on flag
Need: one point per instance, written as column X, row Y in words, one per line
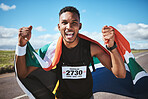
column 134, row 67
column 96, row 61
column 42, row 51
column 30, row 57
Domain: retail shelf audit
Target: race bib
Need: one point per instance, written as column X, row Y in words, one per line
column 74, row 72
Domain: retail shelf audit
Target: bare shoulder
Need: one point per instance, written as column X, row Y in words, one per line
column 96, row 50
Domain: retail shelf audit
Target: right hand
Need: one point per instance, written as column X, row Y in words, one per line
column 24, row 35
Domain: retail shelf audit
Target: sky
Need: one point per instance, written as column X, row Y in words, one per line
column 130, row 17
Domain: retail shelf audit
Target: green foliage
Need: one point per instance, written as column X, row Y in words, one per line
column 6, row 58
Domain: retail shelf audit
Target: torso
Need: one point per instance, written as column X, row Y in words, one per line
column 77, row 57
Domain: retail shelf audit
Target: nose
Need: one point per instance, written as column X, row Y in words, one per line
column 69, row 26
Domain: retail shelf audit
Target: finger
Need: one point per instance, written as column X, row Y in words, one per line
column 111, row 28
column 104, row 27
column 108, row 33
column 24, row 33
column 105, row 41
column 20, row 29
column 110, row 36
column 30, row 27
column 25, row 37
column 107, row 29
column 26, row 28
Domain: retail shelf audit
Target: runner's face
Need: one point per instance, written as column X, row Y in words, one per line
column 69, row 26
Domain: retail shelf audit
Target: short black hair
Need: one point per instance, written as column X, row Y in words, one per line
column 69, row 9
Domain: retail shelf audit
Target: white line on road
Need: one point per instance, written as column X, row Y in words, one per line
column 20, row 96
column 140, row 55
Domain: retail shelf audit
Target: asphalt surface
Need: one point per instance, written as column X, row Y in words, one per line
column 9, row 89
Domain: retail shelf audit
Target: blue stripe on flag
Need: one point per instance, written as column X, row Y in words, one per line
column 105, row 81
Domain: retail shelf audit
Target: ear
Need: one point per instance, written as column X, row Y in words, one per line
column 59, row 27
column 80, row 26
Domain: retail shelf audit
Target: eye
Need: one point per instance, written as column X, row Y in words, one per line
column 75, row 23
column 64, row 23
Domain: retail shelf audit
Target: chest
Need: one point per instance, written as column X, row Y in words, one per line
column 79, row 55
column 74, row 62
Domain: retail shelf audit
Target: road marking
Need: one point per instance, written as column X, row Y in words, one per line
column 140, row 55
column 20, row 96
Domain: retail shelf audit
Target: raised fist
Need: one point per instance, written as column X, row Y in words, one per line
column 108, row 35
column 24, row 35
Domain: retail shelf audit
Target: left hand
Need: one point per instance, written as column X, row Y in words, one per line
column 108, row 36
column 24, row 35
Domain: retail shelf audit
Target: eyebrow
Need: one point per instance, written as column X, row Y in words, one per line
column 75, row 20
column 72, row 20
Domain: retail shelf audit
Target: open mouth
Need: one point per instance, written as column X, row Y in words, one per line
column 69, row 35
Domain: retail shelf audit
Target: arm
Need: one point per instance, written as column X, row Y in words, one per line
column 23, row 37
column 113, row 61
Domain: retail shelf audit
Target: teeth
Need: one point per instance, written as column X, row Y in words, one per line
column 68, row 33
column 69, row 36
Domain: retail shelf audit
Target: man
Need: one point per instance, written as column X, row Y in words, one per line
column 76, row 53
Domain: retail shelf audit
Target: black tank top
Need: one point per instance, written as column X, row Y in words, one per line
column 77, row 56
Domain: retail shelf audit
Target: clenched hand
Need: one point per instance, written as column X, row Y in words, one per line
column 24, row 35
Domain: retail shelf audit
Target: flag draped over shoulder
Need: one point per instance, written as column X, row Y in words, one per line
column 134, row 85
column 137, row 72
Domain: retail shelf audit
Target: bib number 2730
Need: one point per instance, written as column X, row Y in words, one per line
column 74, row 72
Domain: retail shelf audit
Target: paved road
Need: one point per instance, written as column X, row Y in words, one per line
column 9, row 88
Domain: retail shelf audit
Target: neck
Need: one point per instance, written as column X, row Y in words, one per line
column 73, row 44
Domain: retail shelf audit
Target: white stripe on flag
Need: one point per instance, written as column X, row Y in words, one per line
column 99, row 65
column 50, row 53
column 139, row 76
column 20, row 83
column 44, row 64
column 127, row 56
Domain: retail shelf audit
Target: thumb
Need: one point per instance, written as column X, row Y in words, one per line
column 30, row 27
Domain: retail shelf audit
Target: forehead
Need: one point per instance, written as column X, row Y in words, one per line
column 69, row 16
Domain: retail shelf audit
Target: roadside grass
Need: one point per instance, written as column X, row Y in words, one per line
column 7, row 60
column 139, row 51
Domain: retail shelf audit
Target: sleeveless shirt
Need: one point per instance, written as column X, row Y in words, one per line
column 77, row 56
